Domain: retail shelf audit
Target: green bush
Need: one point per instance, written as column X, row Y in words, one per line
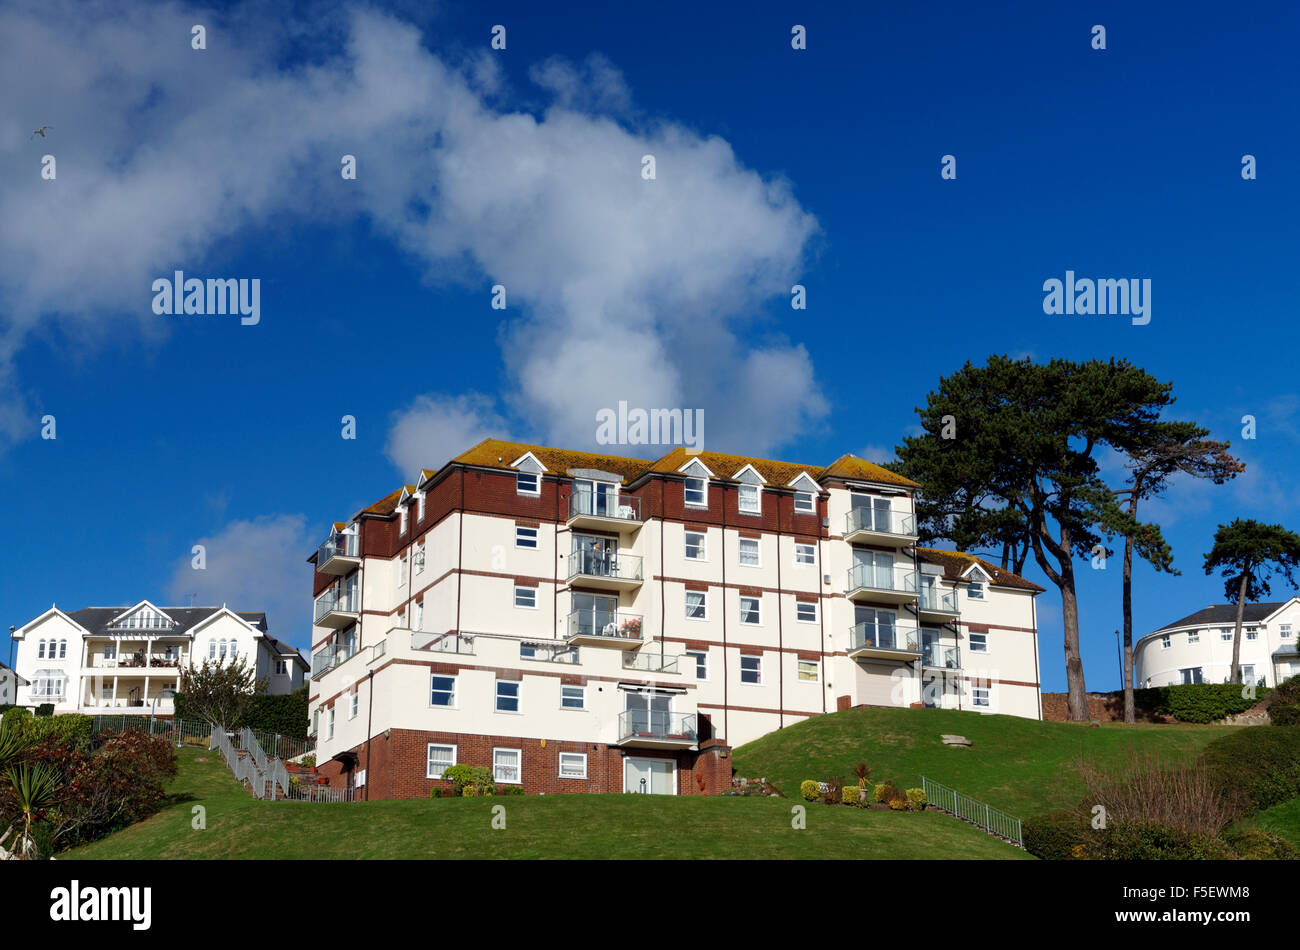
column 284, row 714
column 510, row 790
column 435, row 792
column 72, row 729
column 45, row 709
column 309, row 760
column 915, row 798
column 1285, row 708
column 1285, row 715
column 1151, row 841
column 1264, row 761
column 809, row 790
column 470, row 780
column 1054, row 836
column 1258, row 845
column 1197, row 702
column 851, row 794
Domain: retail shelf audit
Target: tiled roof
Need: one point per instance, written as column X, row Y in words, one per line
column 954, row 563
column 725, row 466
column 96, row 619
column 1225, row 613
column 853, row 468
column 497, row 453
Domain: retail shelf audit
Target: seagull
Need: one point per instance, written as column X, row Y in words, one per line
column 41, row 131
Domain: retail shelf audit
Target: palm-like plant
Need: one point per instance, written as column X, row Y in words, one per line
column 13, row 743
column 36, row 786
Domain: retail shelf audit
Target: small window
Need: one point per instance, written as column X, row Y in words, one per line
column 573, row 697
column 696, row 493
column 749, row 499
column 281, row 666
column 507, row 696
column 1284, row 631
column 804, row 503
column 979, row 697
column 401, row 571
column 441, row 758
column 805, row 611
column 1164, row 642
column 401, row 512
column 63, row 649
column 805, row 553
column 979, row 643
column 701, row 659
column 221, row 649
column 329, row 733
column 234, row 648
column 750, row 610
column 525, row 537
column 40, row 650
column 1193, row 636
column 697, row 605
column 353, row 705
column 1225, row 633
column 419, row 616
column 696, row 542
column 212, row 650
column 528, row 483
column 525, row 596
column 505, row 766
column 442, row 690
column 573, row 765
column 749, row 552
column 751, row 669
column 808, row 670
column 1248, row 673
column 975, row 590
column 1252, row 633
column 419, row 558
column 419, row 506
column 1192, row 675
column 315, row 721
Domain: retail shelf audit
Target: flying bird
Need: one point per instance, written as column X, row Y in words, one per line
column 41, row 131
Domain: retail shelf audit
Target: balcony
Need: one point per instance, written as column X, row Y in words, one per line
column 621, row 513
column 938, row 605
column 604, row 628
column 336, row 609
column 656, row 729
column 879, row 526
column 443, row 642
column 327, row 658
column 339, row 555
column 869, row 583
column 605, row 571
column 936, row 657
column 870, row 641
column 650, row 662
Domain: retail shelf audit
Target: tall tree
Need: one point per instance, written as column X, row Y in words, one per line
column 1247, row 553
column 1171, row 448
column 219, row 692
column 1020, row 436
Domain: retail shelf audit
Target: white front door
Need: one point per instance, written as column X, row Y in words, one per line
column 650, row 776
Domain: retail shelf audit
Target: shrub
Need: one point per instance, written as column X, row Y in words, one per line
column 1054, row 836
column 1189, row 797
column 863, row 772
column 834, row 791
column 888, row 792
column 1197, row 702
column 915, row 798
column 510, row 790
column 809, row 790
column 309, row 760
column 1258, row 845
column 1287, row 715
column 45, row 709
column 851, row 795
column 73, row 729
column 898, row 803
column 1153, row 841
column 1261, row 760
column 469, row 780
column 878, row 792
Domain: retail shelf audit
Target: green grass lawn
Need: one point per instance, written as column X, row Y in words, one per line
column 553, row 826
column 1021, row 766
column 1283, row 819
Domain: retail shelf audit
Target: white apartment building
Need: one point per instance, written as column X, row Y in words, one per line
column 1198, row 648
column 129, row 659
column 581, row 622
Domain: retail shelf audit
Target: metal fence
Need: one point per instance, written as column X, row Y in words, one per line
column 978, row 813
column 195, row 732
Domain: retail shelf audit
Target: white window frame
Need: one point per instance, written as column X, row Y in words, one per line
column 703, row 491
column 976, row 697
column 518, row 766
column 1164, row 642
column 428, row 759
column 1284, row 631
column 975, row 589
column 809, row 549
column 354, row 703
column 701, row 658
column 801, row 666
column 401, row 570
column 518, row 697
column 402, row 518
column 704, row 604
column 810, row 508
column 520, row 478
column 521, row 537
column 419, row 558
column 281, row 667
column 703, row 546
column 758, row 602
column 581, row 697
column 757, row 670
column 63, row 649
column 528, row 592
column 1193, row 636
column 1225, row 633
column 756, row 549
column 582, row 757
column 455, row 689
column 742, row 490
column 40, row 649
column 983, row 642
column 329, row 734
column 1252, row 633
column 802, row 605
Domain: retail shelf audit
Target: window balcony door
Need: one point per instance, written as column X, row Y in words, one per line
column 595, row 614
column 649, row 713
column 595, row 498
column 598, row 557
column 649, row 776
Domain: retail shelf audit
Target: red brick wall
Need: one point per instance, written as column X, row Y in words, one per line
column 398, row 764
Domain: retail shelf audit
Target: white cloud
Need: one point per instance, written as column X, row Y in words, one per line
column 433, row 429
column 641, row 290
column 258, row 564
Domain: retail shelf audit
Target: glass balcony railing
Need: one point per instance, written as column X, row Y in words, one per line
column 895, row 579
column 650, row 662
column 940, row 657
column 612, row 624
column 442, row 642
column 877, row 636
column 880, row 521
column 340, row 545
column 591, row 505
column 618, row 567
column 937, row 601
column 335, row 601
column 657, row 724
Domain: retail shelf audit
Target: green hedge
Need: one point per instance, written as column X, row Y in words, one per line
column 1069, row 836
column 284, row 715
column 1285, row 708
column 72, row 728
column 1198, row 702
column 1264, row 761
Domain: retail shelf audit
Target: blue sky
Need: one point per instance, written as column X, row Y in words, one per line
column 521, row 167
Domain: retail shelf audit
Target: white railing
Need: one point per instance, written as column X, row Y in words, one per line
column 980, row 814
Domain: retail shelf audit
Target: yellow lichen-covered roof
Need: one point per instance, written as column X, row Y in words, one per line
column 777, row 474
column 854, row 468
column 498, row 453
column 384, row 506
column 954, row 563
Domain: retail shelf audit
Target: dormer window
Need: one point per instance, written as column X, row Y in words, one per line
column 975, row 589
column 804, row 503
column 749, row 499
column 528, row 483
column 697, row 493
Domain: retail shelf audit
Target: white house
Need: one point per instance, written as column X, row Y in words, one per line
column 129, row 659
column 9, row 683
column 1198, row 648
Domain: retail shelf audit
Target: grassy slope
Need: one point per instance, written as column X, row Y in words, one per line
column 1283, row 819
column 560, row 826
column 1021, row 766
